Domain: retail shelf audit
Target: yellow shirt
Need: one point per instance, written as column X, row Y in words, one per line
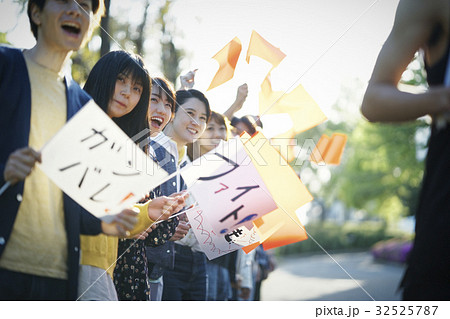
column 38, row 242
column 181, row 154
column 101, row 251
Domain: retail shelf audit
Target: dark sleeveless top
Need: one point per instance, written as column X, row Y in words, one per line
column 430, row 258
column 436, row 73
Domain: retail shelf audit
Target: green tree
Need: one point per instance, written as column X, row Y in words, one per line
column 104, row 30
column 139, row 40
column 170, row 54
column 382, row 173
column 124, row 34
column 82, row 63
column 117, row 32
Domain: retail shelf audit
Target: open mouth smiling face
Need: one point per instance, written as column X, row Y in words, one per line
column 190, row 121
column 193, row 131
column 157, row 122
column 72, row 28
column 63, row 25
column 160, row 110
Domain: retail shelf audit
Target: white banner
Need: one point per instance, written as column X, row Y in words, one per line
column 228, row 187
column 98, row 165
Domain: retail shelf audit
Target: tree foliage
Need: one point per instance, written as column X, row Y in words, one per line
column 170, row 54
column 119, row 32
column 382, row 173
column 104, row 30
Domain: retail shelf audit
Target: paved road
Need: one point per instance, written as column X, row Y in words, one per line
column 319, row 277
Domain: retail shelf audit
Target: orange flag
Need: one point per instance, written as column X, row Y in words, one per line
column 292, row 230
column 264, row 230
column 329, row 150
column 301, row 107
column 281, row 226
column 261, row 48
column 227, row 58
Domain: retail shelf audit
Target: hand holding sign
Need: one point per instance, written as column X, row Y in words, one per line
column 163, row 207
column 121, row 223
column 20, row 163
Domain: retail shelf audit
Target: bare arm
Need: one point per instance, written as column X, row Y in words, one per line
column 241, row 95
column 383, row 102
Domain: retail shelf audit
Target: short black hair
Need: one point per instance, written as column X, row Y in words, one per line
column 96, row 5
column 250, row 121
column 101, row 84
column 166, row 87
column 183, row 95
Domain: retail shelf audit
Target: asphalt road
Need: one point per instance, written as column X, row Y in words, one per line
column 341, row 277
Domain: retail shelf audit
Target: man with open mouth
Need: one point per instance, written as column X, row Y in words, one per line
column 39, row 225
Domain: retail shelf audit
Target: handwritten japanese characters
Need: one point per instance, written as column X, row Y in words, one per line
column 228, row 187
column 96, row 164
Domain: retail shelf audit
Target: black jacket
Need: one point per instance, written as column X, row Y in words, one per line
column 15, row 114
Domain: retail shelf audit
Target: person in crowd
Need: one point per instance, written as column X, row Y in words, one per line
column 230, row 277
column 217, row 130
column 188, row 279
column 132, row 275
column 40, row 226
column 264, row 264
column 425, row 26
column 243, row 282
column 248, row 123
column 119, row 83
column 159, row 251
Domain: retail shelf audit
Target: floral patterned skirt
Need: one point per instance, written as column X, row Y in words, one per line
column 130, row 274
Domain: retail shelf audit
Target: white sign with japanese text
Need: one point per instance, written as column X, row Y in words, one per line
column 228, row 187
column 94, row 162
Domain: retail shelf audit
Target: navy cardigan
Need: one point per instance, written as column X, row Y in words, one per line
column 15, row 114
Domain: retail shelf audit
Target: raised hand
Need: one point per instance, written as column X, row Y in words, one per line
column 187, row 80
